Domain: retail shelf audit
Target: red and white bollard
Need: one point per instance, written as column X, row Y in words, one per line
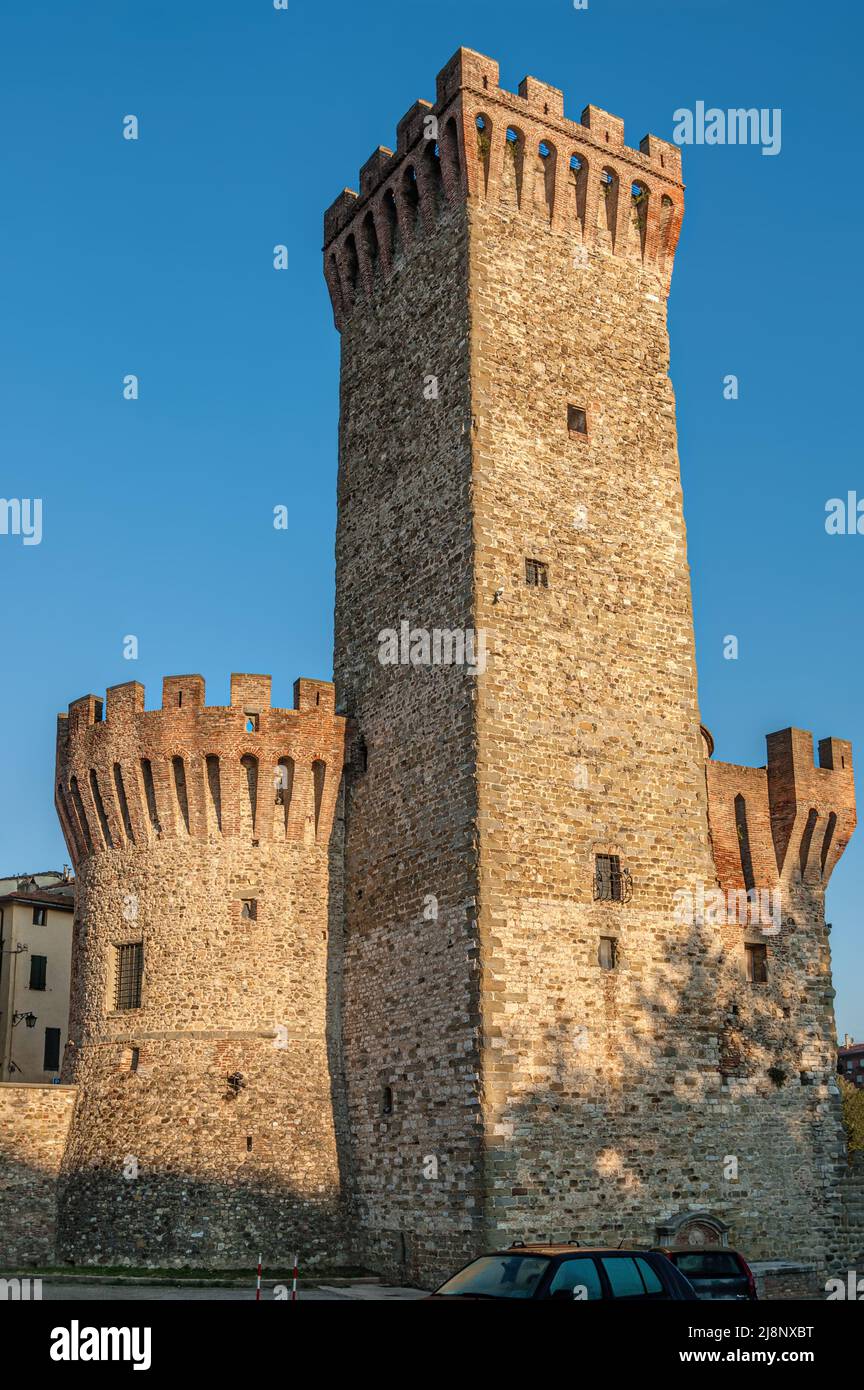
column 258, row 1284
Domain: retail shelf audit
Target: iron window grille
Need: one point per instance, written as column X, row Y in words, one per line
column 130, row 972
column 537, row 574
column 611, row 882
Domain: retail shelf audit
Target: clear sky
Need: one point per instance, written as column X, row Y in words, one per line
column 155, row 257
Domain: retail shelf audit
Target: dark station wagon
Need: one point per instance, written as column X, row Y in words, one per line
column 568, row 1273
column 715, row 1272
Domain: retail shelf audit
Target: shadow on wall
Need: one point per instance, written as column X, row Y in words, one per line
column 28, row 1226
column 173, row 1219
column 641, row 1122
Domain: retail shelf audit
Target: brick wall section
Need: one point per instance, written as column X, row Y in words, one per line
column 595, row 1104
column 220, row 1175
column 34, row 1124
column 797, row 817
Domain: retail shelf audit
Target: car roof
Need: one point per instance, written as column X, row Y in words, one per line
column 553, row 1248
column 696, row 1250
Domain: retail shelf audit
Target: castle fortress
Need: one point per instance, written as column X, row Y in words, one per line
column 403, row 981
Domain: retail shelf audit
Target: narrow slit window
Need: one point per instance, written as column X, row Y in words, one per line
column 608, row 953
column 387, row 1101
column 757, row 964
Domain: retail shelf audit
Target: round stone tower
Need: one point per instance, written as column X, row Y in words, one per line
column 200, row 1030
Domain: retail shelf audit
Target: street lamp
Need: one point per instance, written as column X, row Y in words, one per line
column 29, row 1019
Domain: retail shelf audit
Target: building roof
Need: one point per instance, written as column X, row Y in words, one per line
column 854, row 1050
column 42, row 878
column 61, row 901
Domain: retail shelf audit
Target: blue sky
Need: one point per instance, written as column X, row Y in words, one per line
column 155, row 258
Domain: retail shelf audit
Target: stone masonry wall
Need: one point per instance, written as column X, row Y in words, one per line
column 848, row 1251
column 608, row 1111
column 169, row 1160
column 671, row 1093
column 34, row 1124
column 404, row 555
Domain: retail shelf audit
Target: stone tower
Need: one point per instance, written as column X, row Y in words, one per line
column 203, row 1130
column 536, row 1036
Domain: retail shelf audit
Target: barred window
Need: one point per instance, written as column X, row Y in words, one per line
column 608, row 881
column 536, row 574
column 128, row 976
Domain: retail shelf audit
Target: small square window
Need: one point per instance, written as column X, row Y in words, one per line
column 577, row 420
column 608, row 953
column 249, row 909
column 39, row 916
column 536, row 574
column 757, row 964
column 252, row 721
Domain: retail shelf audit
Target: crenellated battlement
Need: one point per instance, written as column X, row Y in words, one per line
column 789, row 821
column 131, row 776
column 481, row 143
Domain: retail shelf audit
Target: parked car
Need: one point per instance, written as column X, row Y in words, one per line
column 714, row 1272
column 571, row 1273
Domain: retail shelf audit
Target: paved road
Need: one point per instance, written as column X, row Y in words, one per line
column 123, row 1293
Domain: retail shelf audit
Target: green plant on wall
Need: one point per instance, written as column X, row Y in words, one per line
column 853, row 1113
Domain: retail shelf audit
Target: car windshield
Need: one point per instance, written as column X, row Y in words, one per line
column 497, row 1276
